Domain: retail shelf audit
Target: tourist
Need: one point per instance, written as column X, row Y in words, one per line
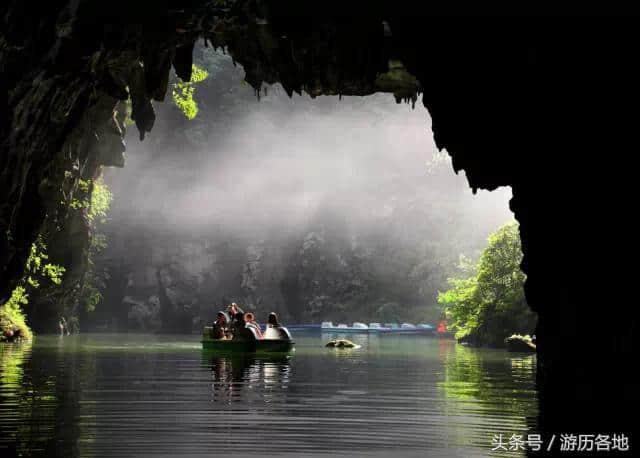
column 233, row 310
column 251, row 323
column 274, row 330
column 62, row 324
column 239, row 326
column 218, row 329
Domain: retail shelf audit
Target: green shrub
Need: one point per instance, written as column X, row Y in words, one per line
column 12, row 320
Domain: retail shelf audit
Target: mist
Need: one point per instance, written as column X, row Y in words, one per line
column 286, row 162
column 324, row 208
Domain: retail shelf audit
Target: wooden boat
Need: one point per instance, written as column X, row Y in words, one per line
column 249, row 343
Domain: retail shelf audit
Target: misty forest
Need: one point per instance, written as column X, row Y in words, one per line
column 326, row 209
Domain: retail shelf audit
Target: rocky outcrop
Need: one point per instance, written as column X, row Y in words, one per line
column 546, row 108
column 520, row 344
column 325, row 278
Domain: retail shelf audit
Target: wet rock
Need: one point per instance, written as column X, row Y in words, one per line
column 183, row 61
column 341, row 343
column 520, row 344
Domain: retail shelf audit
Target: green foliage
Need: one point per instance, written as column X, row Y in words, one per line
column 83, row 186
column 12, row 320
column 100, row 203
column 486, row 303
column 128, row 109
column 198, row 74
column 183, row 91
column 37, row 270
column 95, row 279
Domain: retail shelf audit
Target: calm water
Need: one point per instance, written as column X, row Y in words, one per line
column 136, row 395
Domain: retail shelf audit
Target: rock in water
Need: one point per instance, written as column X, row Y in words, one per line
column 341, row 343
column 517, row 343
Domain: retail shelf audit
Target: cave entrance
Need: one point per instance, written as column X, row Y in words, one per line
column 321, row 209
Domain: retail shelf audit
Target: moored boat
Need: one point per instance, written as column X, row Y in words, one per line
column 357, row 328
column 249, row 344
column 424, row 328
column 406, row 328
column 394, row 328
column 377, row 327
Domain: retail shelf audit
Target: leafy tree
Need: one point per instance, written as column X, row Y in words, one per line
column 486, row 303
column 183, row 91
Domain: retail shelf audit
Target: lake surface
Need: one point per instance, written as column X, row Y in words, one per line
column 103, row 395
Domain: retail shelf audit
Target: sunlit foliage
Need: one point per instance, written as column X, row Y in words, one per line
column 486, row 302
column 37, row 267
column 11, row 317
column 100, row 203
column 93, row 198
column 183, row 91
column 95, row 278
column 37, row 270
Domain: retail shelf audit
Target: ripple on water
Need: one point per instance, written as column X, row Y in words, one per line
column 149, row 395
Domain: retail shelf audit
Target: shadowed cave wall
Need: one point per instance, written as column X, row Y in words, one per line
column 542, row 105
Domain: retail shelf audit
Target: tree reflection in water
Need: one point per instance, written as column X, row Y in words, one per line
column 37, row 386
column 493, row 383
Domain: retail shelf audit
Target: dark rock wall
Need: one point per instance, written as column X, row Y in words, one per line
column 546, row 106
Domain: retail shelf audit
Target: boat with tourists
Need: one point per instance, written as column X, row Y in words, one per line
column 248, row 344
column 235, row 331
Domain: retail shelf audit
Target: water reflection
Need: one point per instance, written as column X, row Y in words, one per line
column 12, row 357
column 474, row 374
column 40, row 392
column 492, row 384
column 241, row 377
column 163, row 395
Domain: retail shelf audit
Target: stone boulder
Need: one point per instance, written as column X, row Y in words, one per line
column 522, row 344
column 341, row 343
